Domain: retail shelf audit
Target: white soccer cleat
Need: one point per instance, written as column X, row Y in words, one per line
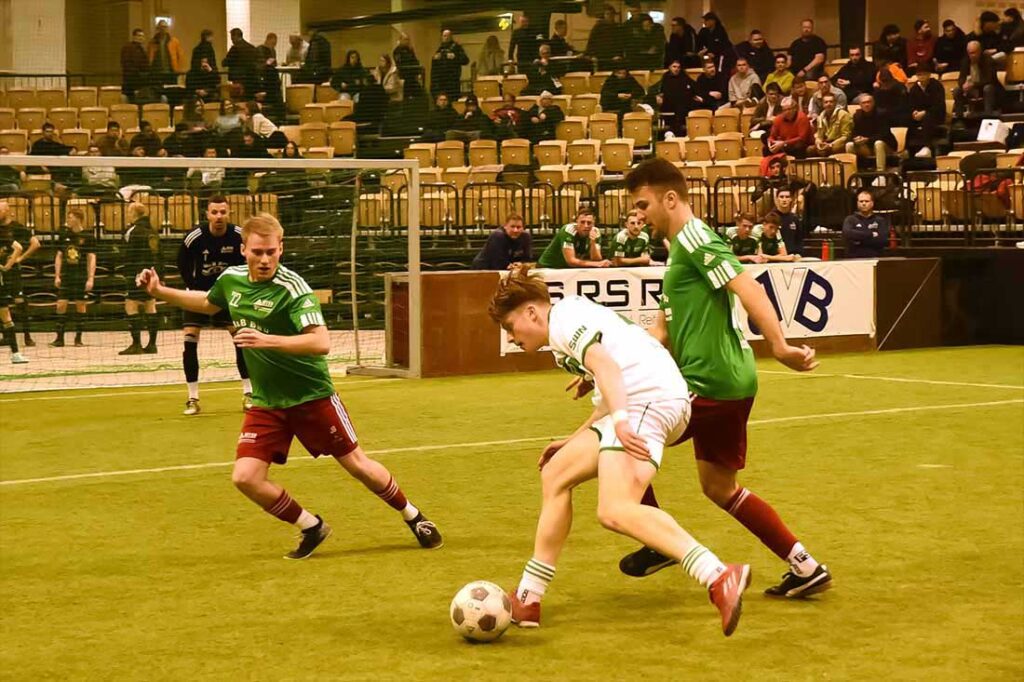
column 18, row 359
column 191, row 407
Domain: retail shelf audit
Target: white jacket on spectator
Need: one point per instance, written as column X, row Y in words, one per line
column 392, row 84
column 261, row 125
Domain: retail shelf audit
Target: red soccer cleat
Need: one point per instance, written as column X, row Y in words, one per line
column 726, row 594
column 524, row 615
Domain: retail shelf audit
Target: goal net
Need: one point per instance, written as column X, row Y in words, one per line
column 345, row 233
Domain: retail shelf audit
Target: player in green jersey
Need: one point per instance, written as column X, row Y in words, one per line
column 285, row 341
column 743, row 242
column 698, row 325
column 576, row 245
column 771, row 247
column 632, row 243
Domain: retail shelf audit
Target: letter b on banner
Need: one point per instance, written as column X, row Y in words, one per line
column 816, row 293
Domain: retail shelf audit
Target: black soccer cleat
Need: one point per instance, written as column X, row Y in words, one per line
column 57, row 343
column 644, row 562
column 311, row 539
column 150, row 349
column 426, row 532
column 134, row 349
column 795, row 587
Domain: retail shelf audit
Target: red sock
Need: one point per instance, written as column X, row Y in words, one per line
column 760, row 519
column 649, row 499
column 393, row 495
column 285, row 508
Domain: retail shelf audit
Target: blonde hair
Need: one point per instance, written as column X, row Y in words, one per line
column 519, row 288
column 262, row 224
column 137, row 209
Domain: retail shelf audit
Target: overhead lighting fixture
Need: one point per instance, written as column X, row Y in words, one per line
column 169, row 20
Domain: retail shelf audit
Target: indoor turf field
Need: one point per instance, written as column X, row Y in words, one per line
column 125, row 553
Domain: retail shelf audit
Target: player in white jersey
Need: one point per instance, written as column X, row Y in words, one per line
column 640, row 404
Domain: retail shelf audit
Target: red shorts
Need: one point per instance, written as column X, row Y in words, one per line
column 719, row 430
column 322, row 426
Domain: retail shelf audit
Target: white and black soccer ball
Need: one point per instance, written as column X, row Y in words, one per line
column 481, row 611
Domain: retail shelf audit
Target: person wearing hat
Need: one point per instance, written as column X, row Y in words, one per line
column 619, row 90
column 713, row 41
column 543, row 118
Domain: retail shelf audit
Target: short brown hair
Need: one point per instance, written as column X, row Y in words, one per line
column 138, row 209
column 513, row 216
column 518, row 288
column 77, row 212
column 217, row 199
column 584, row 210
column 262, row 224
column 772, row 218
column 747, row 216
column 658, row 174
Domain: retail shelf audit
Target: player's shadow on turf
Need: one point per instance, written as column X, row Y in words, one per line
column 375, row 549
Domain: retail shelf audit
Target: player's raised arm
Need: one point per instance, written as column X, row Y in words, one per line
column 760, row 310
column 196, row 301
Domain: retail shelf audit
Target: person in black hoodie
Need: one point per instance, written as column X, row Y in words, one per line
column 317, row 67
column 141, row 252
column 872, row 135
column 950, row 47
column 711, row 88
column 473, row 124
column 439, row 120
column 757, row 53
column 676, row 97
column 856, row 76
column 409, row 67
column 646, row 47
column 619, row 89
column 891, row 99
column 606, row 40
column 352, row 77
column 927, row 105
column 446, row 66
column 713, row 39
column 891, row 46
column 682, row 45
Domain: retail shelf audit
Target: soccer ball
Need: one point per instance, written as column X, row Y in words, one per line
column 481, row 611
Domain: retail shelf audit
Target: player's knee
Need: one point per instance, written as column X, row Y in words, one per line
column 245, row 479
column 719, row 492
column 609, row 515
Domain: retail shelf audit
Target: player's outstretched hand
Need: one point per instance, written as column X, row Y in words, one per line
column 635, row 445
column 798, row 358
column 148, row 280
column 580, row 386
column 550, row 451
column 247, row 337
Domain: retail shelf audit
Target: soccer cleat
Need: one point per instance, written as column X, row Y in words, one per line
column 524, row 615
column 134, row 349
column 191, row 407
column 78, row 341
column 726, row 593
column 29, row 343
column 643, row 562
column 150, row 349
column 18, row 359
column 311, row 539
column 246, row 400
column 425, row 531
column 57, row 343
column 795, row 587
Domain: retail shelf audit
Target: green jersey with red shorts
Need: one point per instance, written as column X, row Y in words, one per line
column 708, row 344
column 293, row 395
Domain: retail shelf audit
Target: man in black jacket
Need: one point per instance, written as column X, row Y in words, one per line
column 866, row 233
column 317, row 67
column 807, row 53
column 241, row 61
column 758, row 54
column 446, row 66
column 505, row 246
column 134, row 65
column 927, row 100
column 712, row 87
column 619, row 90
column 525, row 41
column 872, row 134
column 978, row 81
column 439, row 120
column 950, row 47
column 682, row 45
column 857, row 76
column 606, row 41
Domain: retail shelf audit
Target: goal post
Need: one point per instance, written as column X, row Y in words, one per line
column 318, row 201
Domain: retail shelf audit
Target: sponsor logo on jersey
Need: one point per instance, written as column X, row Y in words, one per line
column 576, row 337
column 263, row 305
column 227, row 249
column 247, row 437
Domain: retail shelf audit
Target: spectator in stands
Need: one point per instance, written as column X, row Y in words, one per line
column 865, row 232
column 791, row 131
column 632, row 245
column 825, row 87
column 540, row 79
column 856, row 76
column 508, row 120
column 49, row 144
column 891, row 46
column 891, row 99
column 682, row 45
column 950, row 47
column 543, row 119
column 757, row 53
column 166, row 56
column 767, row 109
column 202, row 78
column 522, row 47
column 560, row 46
column 744, row 86
column 178, row 143
column 988, row 35
column 386, row 74
column 606, row 41
column 771, row 245
column 98, row 179
column 291, row 151
column 619, row 90
column 473, row 124
column 253, row 117
column 209, row 179
column 927, row 105
column 491, row 61
column 148, row 139
column 801, row 94
column 978, row 82
column 408, row 65
column 711, row 88
column 781, row 76
column 134, row 65
column 872, row 136
column 241, row 62
column 439, row 120
column 268, row 50
column 506, row 246
column 743, row 242
column 204, row 50
column 230, row 118
column 11, row 177
column 1012, row 29
column 645, row 49
column 446, row 69
column 316, row 68
column 112, row 143
column 352, row 77
column 921, row 48
column 297, row 50
column 252, row 147
column 834, row 127
column 712, row 39
column 807, row 53
column 676, row 97
column 576, row 245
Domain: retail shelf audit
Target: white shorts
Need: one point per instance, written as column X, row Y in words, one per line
column 658, row 422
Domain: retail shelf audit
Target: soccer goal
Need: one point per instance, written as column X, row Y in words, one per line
column 348, row 235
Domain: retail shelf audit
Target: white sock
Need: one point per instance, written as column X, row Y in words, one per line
column 306, row 520
column 534, row 583
column 802, row 563
column 702, row 565
column 193, row 390
column 410, row 512
column 246, row 386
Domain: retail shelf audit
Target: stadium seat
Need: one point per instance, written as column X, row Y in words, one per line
column 82, row 96
column 638, row 126
column 583, row 152
column 752, row 146
column 312, row 113
column 395, row 180
column 641, row 77
column 483, row 153
column 338, row 110
column 728, row 146
column 483, row 174
column 515, row 152
column 747, row 169
column 527, row 102
column 7, row 119
column 833, row 67
column 603, row 126
column 693, row 169
column 298, row 96
column 900, row 133
column 719, row 169
column 293, row 134
column 211, row 111
column 127, row 115
column 726, row 120
column 319, row 153
column 699, row 123
column 617, row 155
column 654, row 77
column 18, row 98
column 50, row 98
column 575, row 83
column 487, row 86
column 586, row 173
column 584, row 105
column 947, row 163
column 1007, row 159
column 563, row 102
column 93, row 118
column 76, row 137
column 489, row 105
column 341, row 136
column 849, row 162
column 422, row 152
column 1015, row 66
column 597, row 80
column 670, row 150
column 323, row 93
column 110, row 95
column 700, row 149
column 612, row 206
column 456, row 175
column 694, row 73
column 451, row 153
column 572, row 128
column 313, row 134
column 549, row 152
column 430, row 175
column 554, row 174
column 157, row 114
column 30, row 118
column 514, row 84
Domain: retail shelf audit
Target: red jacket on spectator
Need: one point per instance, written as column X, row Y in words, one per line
column 920, row 50
column 792, row 132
